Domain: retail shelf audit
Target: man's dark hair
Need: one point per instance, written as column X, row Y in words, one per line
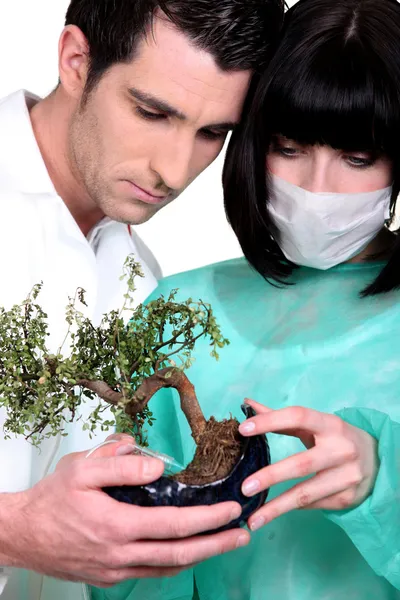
column 237, row 33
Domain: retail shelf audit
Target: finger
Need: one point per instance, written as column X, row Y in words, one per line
column 171, row 522
column 259, row 408
column 96, row 473
column 152, row 572
column 182, row 553
column 295, row 467
column 110, row 447
column 102, row 450
column 300, row 496
column 340, row 501
column 113, row 447
column 118, row 575
column 293, row 418
column 114, row 576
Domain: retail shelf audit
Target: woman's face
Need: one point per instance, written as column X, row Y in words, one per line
column 324, row 169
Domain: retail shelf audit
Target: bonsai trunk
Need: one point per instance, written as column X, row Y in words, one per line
column 218, row 442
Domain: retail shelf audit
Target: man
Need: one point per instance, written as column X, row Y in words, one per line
column 148, row 91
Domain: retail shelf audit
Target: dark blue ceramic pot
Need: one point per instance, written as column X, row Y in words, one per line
column 167, row 492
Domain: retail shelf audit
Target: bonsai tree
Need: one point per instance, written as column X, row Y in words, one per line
column 119, row 364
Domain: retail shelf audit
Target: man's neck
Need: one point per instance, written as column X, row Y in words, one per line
column 50, row 121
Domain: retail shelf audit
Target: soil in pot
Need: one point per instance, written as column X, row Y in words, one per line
column 219, row 447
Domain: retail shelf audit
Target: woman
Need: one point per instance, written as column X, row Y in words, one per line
column 311, row 182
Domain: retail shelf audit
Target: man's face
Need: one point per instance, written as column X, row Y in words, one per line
column 150, row 127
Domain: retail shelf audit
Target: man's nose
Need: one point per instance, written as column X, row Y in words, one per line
column 172, row 163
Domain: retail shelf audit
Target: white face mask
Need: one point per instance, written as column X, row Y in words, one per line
column 322, row 230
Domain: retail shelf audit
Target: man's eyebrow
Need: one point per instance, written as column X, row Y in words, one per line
column 162, row 106
column 156, row 103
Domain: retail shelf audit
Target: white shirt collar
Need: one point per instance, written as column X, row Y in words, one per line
column 21, row 164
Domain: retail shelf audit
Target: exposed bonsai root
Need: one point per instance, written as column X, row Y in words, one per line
column 218, row 449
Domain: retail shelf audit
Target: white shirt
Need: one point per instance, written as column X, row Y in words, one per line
column 41, row 242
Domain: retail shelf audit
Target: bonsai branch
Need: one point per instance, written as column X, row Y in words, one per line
column 103, row 390
column 164, row 378
column 167, row 378
column 122, row 362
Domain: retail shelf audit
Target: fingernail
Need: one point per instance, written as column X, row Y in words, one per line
column 251, row 487
column 127, row 449
column 247, row 427
column 242, row 540
column 236, row 512
column 257, row 523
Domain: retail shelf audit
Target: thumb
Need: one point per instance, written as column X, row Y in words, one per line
column 120, row 470
column 112, row 446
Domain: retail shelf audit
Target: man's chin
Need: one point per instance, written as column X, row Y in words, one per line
column 131, row 211
column 132, row 217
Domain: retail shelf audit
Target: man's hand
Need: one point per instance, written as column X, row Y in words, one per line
column 116, row 444
column 342, row 458
column 67, row 527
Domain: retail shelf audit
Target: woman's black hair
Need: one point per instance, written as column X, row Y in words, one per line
column 334, row 80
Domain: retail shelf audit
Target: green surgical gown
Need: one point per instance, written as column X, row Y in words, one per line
column 315, row 344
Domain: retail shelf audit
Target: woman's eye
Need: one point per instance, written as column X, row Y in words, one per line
column 149, row 116
column 286, row 151
column 359, row 162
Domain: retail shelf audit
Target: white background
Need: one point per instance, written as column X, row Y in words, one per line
column 189, row 233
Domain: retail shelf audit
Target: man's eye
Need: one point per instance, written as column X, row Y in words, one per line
column 208, row 134
column 149, row 116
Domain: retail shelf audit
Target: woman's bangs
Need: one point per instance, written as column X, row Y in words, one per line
column 340, row 105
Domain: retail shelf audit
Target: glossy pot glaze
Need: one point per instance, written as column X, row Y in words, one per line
column 167, row 492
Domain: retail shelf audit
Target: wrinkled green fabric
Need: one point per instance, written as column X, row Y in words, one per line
column 315, row 344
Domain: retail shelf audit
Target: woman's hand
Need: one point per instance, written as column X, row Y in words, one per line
column 342, row 459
